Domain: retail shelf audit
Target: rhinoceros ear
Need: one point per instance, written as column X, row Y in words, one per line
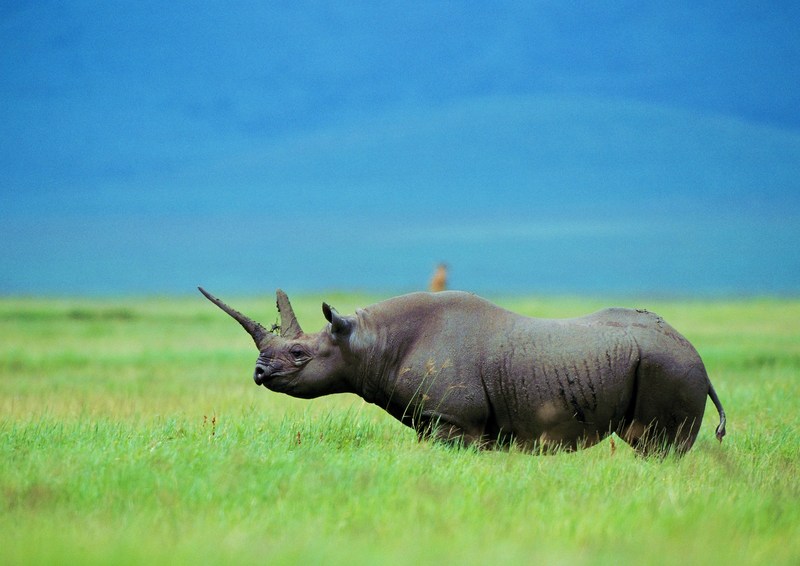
column 340, row 325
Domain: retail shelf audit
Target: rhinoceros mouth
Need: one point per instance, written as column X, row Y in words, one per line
column 263, row 373
column 267, row 374
column 258, row 378
column 278, row 384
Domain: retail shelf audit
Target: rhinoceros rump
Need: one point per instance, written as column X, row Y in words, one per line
column 456, row 367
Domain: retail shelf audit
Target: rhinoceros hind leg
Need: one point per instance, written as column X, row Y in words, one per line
column 658, row 440
column 668, row 408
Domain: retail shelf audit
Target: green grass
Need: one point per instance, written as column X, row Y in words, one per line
column 131, row 432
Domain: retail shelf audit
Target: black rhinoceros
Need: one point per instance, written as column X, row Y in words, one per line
column 457, row 367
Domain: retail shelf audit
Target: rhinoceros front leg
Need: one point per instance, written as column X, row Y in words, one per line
column 446, row 429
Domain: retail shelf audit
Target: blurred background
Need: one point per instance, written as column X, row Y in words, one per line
column 536, row 147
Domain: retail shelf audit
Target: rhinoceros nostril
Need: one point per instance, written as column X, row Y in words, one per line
column 258, row 375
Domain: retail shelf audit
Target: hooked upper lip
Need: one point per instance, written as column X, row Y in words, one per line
column 261, row 374
column 265, row 372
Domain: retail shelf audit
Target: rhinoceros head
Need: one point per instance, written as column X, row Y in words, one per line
column 293, row 362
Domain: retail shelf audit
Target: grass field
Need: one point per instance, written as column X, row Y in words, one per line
column 132, row 432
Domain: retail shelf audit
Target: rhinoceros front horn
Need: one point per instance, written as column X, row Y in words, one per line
column 254, row 329
column 290, row 328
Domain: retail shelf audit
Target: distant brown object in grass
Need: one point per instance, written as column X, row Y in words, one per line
column 439, row 279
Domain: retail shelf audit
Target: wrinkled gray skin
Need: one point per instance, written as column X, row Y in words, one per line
column 454, row 366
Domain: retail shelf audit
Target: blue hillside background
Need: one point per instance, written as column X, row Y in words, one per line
column 551, row 148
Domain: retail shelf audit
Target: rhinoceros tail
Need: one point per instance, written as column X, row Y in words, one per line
column 720, row 410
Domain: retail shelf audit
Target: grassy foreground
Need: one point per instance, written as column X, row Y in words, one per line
column 131, row 432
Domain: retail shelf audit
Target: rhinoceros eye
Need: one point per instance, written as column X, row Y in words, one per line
column 298, row 353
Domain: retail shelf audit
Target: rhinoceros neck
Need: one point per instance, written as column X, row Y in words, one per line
column 393, row 329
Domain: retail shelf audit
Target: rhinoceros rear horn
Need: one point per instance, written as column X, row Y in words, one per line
column 290, row 328
column 254, row 329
